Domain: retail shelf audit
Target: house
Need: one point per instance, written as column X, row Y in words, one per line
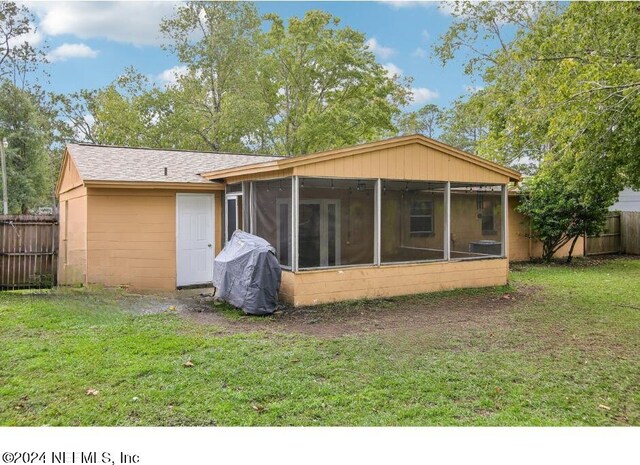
column 628, row 201
column 398, row 216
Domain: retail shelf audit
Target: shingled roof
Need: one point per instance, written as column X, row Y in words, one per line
column 127, row 164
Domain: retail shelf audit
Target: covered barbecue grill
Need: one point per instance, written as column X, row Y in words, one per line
column 246, row 274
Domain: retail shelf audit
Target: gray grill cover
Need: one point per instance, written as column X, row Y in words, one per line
column 246, row 274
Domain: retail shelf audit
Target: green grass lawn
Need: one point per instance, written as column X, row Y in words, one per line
column 564, row 350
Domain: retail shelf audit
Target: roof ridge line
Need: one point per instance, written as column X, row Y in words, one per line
column 86, row 144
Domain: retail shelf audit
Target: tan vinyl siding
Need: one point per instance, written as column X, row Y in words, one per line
column 405, row 162
column 323, row 286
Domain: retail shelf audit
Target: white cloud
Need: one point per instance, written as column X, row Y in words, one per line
column 34, row 38
column 170, row 76
column 423, row 95
column 67, row 51
column 442, row 7
column 419, row 53
column 392, row 70
column 129, row 22
column 425, row 34
column 380, row 50
column 397, row 4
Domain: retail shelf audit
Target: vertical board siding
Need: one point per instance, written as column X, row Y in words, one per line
column 29, row 250
column 405, row 162
column 630, row 232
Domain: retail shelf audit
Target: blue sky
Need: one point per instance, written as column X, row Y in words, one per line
column 90, row 43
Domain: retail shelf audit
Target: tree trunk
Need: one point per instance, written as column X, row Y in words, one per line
column 547, row 252
column 573, row 244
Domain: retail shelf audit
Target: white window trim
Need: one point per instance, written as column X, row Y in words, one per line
column 234, row 196
column 411, row 216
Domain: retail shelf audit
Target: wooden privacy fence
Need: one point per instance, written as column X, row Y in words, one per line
column 630, row 232
column 28, row 251
column 608, row 241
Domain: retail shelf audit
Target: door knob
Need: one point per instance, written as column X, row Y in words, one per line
column 209, row 245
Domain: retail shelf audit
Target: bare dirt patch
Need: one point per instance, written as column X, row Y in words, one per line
column 436, row 312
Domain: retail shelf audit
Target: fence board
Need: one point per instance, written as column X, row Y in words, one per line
column 609, row 241
column 630, row 232
column 28, row 251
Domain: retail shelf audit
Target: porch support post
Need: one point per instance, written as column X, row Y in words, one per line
column 505, row 220
column 252, row 208
column 246, row 207
column 294, row 223
column 447, row 221
column 377, row 215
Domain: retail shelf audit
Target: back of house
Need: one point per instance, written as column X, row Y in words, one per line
column 398, row 216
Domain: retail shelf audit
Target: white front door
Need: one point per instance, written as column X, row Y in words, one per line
column 194, row 239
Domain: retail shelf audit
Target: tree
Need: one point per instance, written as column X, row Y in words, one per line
column 563, row 96
column 463, row 124
column 579, row 92
column 566, row 85
column 324, row 87
column 129, row 111
column 485, row 34
column 18, row 57
column 25, row 126
column 218, row 98
column 75, row 115
column 558, row 210
column 423, row 121
column 484, row 31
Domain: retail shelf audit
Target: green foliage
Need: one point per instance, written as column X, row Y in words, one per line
column 75, row 115
column 566, row 86
column 324, row 87
column 25, row 125
column 559, row 212
column 464, row 125
column 577, row 95
column 423, row 121
column 561, row 102
column 217, row 99
column 481, row 30
column 296, row 88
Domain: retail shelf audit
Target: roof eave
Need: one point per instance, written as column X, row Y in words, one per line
column 97, row 183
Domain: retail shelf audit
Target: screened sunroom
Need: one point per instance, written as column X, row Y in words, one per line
column 395, row 217
column 317, row 223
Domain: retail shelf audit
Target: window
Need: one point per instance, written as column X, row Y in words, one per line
column 488, row 217
column 421, row 218
column 234, row 214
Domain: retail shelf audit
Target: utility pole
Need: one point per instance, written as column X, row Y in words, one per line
column 5, row 200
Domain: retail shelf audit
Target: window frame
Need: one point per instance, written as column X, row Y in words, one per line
column 412, row 215
column 493, row 231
